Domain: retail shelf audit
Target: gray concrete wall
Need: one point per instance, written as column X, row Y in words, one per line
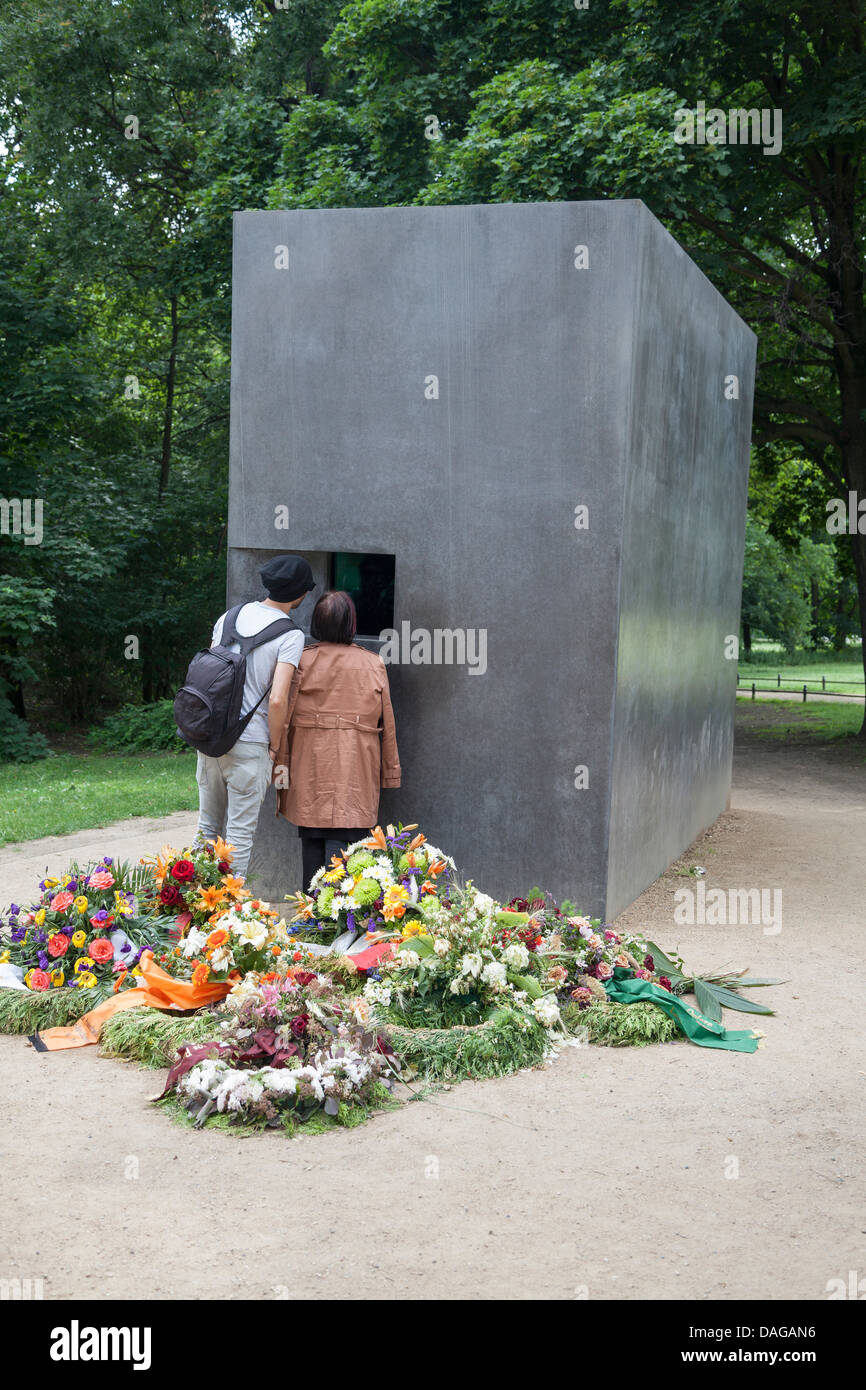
column 684, row 511
column 538, row 411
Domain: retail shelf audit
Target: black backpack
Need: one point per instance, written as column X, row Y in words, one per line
column 207, row 708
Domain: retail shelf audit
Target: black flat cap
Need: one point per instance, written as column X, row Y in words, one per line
column 287, row 577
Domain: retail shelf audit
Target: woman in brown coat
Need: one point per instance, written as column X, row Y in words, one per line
column 340, row 743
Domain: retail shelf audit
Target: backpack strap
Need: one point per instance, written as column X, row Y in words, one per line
column 278, row 628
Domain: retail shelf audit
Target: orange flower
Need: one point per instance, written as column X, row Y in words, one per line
column 234, row 976
column 221, row 849
column 276, row 950
column 217, row 938
column 437, row 867
column 396, row 899
column 200, row 974
column 377, row 839
column 428, row 887
column 419, row 840
column 234, row 887
column 210, row 898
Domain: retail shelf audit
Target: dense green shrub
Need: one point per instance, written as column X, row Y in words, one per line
column 18, row 743
column 140, row 729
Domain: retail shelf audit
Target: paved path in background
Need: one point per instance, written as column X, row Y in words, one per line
column 23, row 865
column 674, row 1172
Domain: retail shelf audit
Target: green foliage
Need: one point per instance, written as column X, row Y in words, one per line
column 18, row 742
column 777, row 584
column 140, row 729
column 76, row 791
column 152, row 1038
column 26, row 1011
column 621, row 1025
column 502, row 1044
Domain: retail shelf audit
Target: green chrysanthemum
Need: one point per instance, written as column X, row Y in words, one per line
column 420, row 861
column 366, row 891
column 323, row 903
column 359, row 861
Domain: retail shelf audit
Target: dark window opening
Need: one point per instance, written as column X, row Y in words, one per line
column 370, row 581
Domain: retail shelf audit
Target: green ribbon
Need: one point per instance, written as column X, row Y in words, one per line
column 625, row 989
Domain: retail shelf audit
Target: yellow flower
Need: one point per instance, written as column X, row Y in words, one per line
column 4, row 958
column 40, row 917
column 135, row 970
column 57, row 978
column 78, row 939
column 86, row 980
column 82, row 965
column 334, row 875
column 51, row 882
column 414, row 928
column 80, row 904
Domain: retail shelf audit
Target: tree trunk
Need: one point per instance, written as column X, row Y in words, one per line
column 747, row 639
column 168, row 413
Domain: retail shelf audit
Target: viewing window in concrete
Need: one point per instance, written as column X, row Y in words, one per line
column 370, row 581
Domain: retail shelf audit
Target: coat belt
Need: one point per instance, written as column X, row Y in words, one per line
column 333, row 721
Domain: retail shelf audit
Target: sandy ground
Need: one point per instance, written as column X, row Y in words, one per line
column 673, row 1172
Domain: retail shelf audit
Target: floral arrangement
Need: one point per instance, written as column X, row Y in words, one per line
column 372, row 885
column 458, row 962
column 194, row 886
column 291, row 1046
column 82, row 932
column 246, row 938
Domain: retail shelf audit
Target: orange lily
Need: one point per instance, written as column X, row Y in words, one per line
column 377, row 839
column 437, row 867
column 234, row 887
column 221, row 849
column 419, row 840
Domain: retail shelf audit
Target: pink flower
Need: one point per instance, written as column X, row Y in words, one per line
column 612, row 936
column 594, row 942
column 621, row 959
column 100, row 879
column 61, row 901
column 603, row 971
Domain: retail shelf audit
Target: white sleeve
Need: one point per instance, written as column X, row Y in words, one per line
column 217, row 630
column 291, row 648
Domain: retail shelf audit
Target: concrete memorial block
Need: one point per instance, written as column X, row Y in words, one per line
column 534, row 421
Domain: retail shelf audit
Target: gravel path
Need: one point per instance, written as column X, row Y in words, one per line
column 672, row 1172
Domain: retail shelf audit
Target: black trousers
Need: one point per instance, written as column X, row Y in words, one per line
column 318, row 845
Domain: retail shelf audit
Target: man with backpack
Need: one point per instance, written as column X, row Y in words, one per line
column 223, row 710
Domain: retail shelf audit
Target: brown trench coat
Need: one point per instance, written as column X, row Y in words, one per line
column 340, row 743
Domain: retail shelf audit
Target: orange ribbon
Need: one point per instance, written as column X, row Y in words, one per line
column 159, row 991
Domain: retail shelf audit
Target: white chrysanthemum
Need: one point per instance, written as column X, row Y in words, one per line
column 378, row 992
column 193, row 942
column 222, row 958
column 494, row 973
column 546, row 1010
column 516, row 954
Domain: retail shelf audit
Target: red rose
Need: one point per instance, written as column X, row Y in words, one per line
column 39, row 980
column 299, row 1024
column 224, row 866
column 666, row 984
column 101, row 950
column 169, row 895
column 183, row 871
column 58, row 945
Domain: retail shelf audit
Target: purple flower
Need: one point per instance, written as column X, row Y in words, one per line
column 14, row 909
column 99, row 916
column 350, row 921
column 127, row 947
column 41, row 936
column 43, row 961
column 19, row 934
column 108, row 860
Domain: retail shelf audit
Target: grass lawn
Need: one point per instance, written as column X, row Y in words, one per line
column 818, row 721
column 77, row 791
column 796, row 675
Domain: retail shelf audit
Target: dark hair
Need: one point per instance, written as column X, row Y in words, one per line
column 334, row 618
